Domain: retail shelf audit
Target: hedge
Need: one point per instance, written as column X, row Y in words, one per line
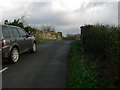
column 101, row 41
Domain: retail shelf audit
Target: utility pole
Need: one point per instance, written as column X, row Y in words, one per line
column 119, row 14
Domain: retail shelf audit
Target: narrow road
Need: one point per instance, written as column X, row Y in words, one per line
column 47, row 68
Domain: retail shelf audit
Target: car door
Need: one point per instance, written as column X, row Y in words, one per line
column 27, row 39
column 17, row 40
column 6, row 40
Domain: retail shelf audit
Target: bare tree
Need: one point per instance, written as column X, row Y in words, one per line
column 23, row 18
column 48, row 28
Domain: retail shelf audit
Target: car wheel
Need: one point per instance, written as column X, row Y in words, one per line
column 34, row 48
column 14, row 55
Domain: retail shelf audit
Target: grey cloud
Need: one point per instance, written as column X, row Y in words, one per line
column 69, row 21
column 39, row 13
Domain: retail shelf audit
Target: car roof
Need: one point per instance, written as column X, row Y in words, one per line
column 10, row 26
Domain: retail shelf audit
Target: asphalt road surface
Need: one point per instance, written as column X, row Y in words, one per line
column 47, row 68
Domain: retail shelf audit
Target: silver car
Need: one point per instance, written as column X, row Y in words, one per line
column 14, row 41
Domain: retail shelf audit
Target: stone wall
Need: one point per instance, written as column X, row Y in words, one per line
column 41, row 35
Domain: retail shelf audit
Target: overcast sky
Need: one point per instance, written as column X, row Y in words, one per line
column 65, row 15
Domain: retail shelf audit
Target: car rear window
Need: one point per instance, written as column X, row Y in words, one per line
column 6, row 32
column 14, row 32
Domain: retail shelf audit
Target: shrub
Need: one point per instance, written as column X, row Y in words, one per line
column 101, row 45
column 101, row 41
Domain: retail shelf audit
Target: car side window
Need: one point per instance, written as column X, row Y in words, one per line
column 14, row 32
column 6, row 32
column 22, row 32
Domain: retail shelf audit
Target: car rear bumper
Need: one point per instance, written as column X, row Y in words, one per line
column 5, row 52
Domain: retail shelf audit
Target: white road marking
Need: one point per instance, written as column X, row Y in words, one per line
column 3, row 69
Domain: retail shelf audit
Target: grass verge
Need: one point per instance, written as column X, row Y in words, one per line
column 38, row 41
column 80, row 75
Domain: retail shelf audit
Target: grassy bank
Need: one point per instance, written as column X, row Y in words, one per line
column 101, row 44
column 95, row 60
column 80, row 75
column 38, row 41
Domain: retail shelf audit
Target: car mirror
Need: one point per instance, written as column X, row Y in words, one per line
column 28, row 35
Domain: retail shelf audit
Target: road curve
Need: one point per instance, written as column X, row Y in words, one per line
column 47, row 68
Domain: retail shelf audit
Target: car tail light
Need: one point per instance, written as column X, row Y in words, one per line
column 2, row 43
